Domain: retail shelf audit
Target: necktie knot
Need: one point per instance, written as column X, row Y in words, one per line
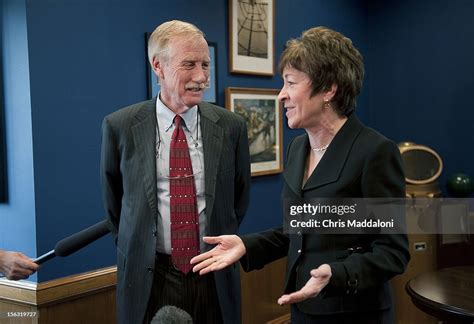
column 178, row 129
column 177, row 120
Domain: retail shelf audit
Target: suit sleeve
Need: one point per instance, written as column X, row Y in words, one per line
column 382, row 177
column 111, row 178
column 263, row 248
column 267, row 246
column 242, row 175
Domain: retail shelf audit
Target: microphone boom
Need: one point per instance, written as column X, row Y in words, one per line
column 80, row 239
column 75, row 242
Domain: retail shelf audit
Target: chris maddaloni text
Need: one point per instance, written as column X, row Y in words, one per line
column 348, row 223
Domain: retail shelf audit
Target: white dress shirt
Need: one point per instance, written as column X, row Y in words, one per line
column 192, row 130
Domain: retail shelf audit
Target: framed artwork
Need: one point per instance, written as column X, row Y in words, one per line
column 210, row 94
column 251, row 29
column 263, row 113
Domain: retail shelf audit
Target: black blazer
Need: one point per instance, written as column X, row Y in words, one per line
column 359, row 163
column 128, row 174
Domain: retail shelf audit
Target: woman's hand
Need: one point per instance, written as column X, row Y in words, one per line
column 319, row 279
column 229, row 249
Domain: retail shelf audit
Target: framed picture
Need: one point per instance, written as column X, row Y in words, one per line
column 210, row 95
column 251, row 28
column 263, row 114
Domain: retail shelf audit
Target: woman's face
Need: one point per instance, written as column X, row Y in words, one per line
column 302, row 110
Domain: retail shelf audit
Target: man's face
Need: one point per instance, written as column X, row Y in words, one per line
column 185, row 75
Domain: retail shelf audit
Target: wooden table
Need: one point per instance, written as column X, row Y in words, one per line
column 447, row 294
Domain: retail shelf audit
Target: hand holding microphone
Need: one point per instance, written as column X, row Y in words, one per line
column 16, row 265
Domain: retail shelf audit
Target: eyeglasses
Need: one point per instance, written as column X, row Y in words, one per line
column 195, row 150
column 168, row 177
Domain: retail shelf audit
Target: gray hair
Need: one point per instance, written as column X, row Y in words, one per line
column 158, row 43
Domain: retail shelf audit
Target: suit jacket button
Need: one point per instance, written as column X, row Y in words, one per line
column 299, row 251
column 154, row 233
column 150, row 269
column 299, row 233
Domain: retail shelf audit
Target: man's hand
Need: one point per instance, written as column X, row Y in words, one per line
column 319, row 279
column 229, row 249
column 16, row 266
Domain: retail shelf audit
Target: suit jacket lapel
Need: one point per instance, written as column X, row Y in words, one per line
column 332, row 163
column 295, row 166
column 212, row 137
column 144, row 137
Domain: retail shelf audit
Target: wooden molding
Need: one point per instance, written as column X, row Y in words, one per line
column 76, row 285
column 58, row 290
column 23, row 292
column 285, row 319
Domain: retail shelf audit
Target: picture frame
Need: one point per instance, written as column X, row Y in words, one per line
column 263, row 114
column 251, row 37
column 210, row 95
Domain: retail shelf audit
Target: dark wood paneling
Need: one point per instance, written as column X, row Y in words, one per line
column 260, row 292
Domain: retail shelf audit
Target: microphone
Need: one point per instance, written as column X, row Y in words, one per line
column 171, row 315
column 75, row 242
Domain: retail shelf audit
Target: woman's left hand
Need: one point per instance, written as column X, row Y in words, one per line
column 319, row 279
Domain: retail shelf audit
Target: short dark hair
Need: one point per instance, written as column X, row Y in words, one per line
column 328, row 58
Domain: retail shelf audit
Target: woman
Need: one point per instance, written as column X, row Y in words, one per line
column 330, row 278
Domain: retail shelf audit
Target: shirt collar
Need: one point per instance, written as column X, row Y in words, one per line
column 165, row 116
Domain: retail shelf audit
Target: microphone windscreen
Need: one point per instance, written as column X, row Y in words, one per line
column 80, row 239
column 171, row 315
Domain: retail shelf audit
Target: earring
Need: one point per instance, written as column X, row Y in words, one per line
column 327, row 104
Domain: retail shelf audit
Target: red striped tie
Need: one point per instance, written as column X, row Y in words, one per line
column 183, row 207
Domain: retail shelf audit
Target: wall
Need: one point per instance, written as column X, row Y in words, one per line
column 17, row 215
column 421, row 76
column 3, row 166
column 87, row 59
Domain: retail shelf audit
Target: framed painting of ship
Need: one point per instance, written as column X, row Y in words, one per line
column 251, row 36
column 263, row 113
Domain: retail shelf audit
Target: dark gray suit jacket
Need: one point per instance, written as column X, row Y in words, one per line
column 128, row 177
column 360, row 163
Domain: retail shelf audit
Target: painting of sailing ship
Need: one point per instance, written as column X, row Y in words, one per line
column 261, row 110
column 251, row 36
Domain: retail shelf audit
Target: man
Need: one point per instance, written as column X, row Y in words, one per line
column 174, row 169
column 15, row 265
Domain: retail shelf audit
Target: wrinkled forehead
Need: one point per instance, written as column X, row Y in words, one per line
column 194, row 46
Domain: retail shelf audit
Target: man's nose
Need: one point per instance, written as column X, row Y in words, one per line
column 200, row 74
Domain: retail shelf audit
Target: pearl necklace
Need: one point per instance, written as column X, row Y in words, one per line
column 320, row 149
